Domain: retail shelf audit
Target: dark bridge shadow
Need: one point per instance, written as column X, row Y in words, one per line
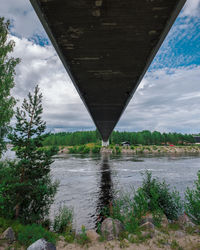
column 105, row 189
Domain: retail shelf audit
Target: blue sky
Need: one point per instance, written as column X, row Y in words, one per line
column 168, row 98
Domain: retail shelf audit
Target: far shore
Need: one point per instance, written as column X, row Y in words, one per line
column 141, row 149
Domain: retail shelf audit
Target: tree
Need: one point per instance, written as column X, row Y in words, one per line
column 33, row 191
column 7, row 73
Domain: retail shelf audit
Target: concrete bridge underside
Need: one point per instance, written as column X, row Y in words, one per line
column 106, row 47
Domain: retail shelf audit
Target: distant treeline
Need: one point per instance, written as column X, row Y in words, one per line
column 145, row 138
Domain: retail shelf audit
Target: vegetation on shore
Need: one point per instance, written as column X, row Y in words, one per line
column 92, row 148
column 153, row 197
column 134, row 138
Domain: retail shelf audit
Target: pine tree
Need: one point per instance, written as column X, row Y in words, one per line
column 34, row 191
column 7, row 72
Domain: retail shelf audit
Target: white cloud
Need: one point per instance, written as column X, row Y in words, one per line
column 167, row 102
column 25, row 22
column 63, row 107
column 167, row 99
column 191, row 8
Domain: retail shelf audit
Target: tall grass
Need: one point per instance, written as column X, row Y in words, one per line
column 153, row 196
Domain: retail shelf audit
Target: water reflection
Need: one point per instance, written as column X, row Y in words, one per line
column 105, row 188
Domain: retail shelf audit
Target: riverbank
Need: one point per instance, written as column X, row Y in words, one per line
column 134, row 150
column 153, row 217
column 178, row 235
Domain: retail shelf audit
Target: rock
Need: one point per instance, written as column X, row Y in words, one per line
column 149, row 218
column 147, row 234
column 62, row 238
column 179, row 234
column 111, row 228
column 146, row 218
column 131, row 237
column 42, row 244
column 92, row 235
column 164, row 221
column 126, row 241
column 197, row 231
column 147, row 225
column 184, row 221
column 9, row 235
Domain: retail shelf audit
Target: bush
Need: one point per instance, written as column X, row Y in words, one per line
column 96, row 149
column 153, row 196
column 80, row 149
column 117, row 150
column 128, row 208
column 192, row 201
column 9, row 182
column 86, row 150
column 63, row 220
column 73, row 150
column 160, row 197
column 31, row 233
column 82, row 238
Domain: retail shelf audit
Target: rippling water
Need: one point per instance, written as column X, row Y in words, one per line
column 89, row 183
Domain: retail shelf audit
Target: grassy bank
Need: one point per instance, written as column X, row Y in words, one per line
column 154, row 202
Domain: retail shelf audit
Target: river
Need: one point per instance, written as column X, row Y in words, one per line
column 89, row 183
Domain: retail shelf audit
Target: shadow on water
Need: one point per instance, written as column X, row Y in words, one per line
column 105, row 188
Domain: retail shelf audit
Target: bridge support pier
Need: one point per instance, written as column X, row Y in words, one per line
column 105, row 143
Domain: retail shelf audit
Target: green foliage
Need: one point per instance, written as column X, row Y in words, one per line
column 27, row 234
column 192, row 201
column 83, row 149
column 9, row 183
column 96, row 149
column 128, row 208
column 86, row 150
column 31, row 233
column 160, row 197
column 82, row 238
column 7, row 73
column 117, row 150
column 144, row 137
column 69, row 235
column 63, row 220
column 73, row 150
column 153, row 196
column 27, row 190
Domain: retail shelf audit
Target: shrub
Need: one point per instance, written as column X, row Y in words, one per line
column 9, row 182
column 160, row 197
column 117, row 150
column 192, row 201
column 31, row 233
column 128, row 208
column 153, row 196
column 80, row 149
column 63, row 220
column 86, row 150
column 73, row 150
column 82, row 238
column 96, row 149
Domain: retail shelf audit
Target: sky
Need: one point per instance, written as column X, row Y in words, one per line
column 167, row 99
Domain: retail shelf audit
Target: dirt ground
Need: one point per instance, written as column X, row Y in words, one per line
column 161, row 241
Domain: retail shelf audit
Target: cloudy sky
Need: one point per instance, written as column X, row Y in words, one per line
column 168, row 98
